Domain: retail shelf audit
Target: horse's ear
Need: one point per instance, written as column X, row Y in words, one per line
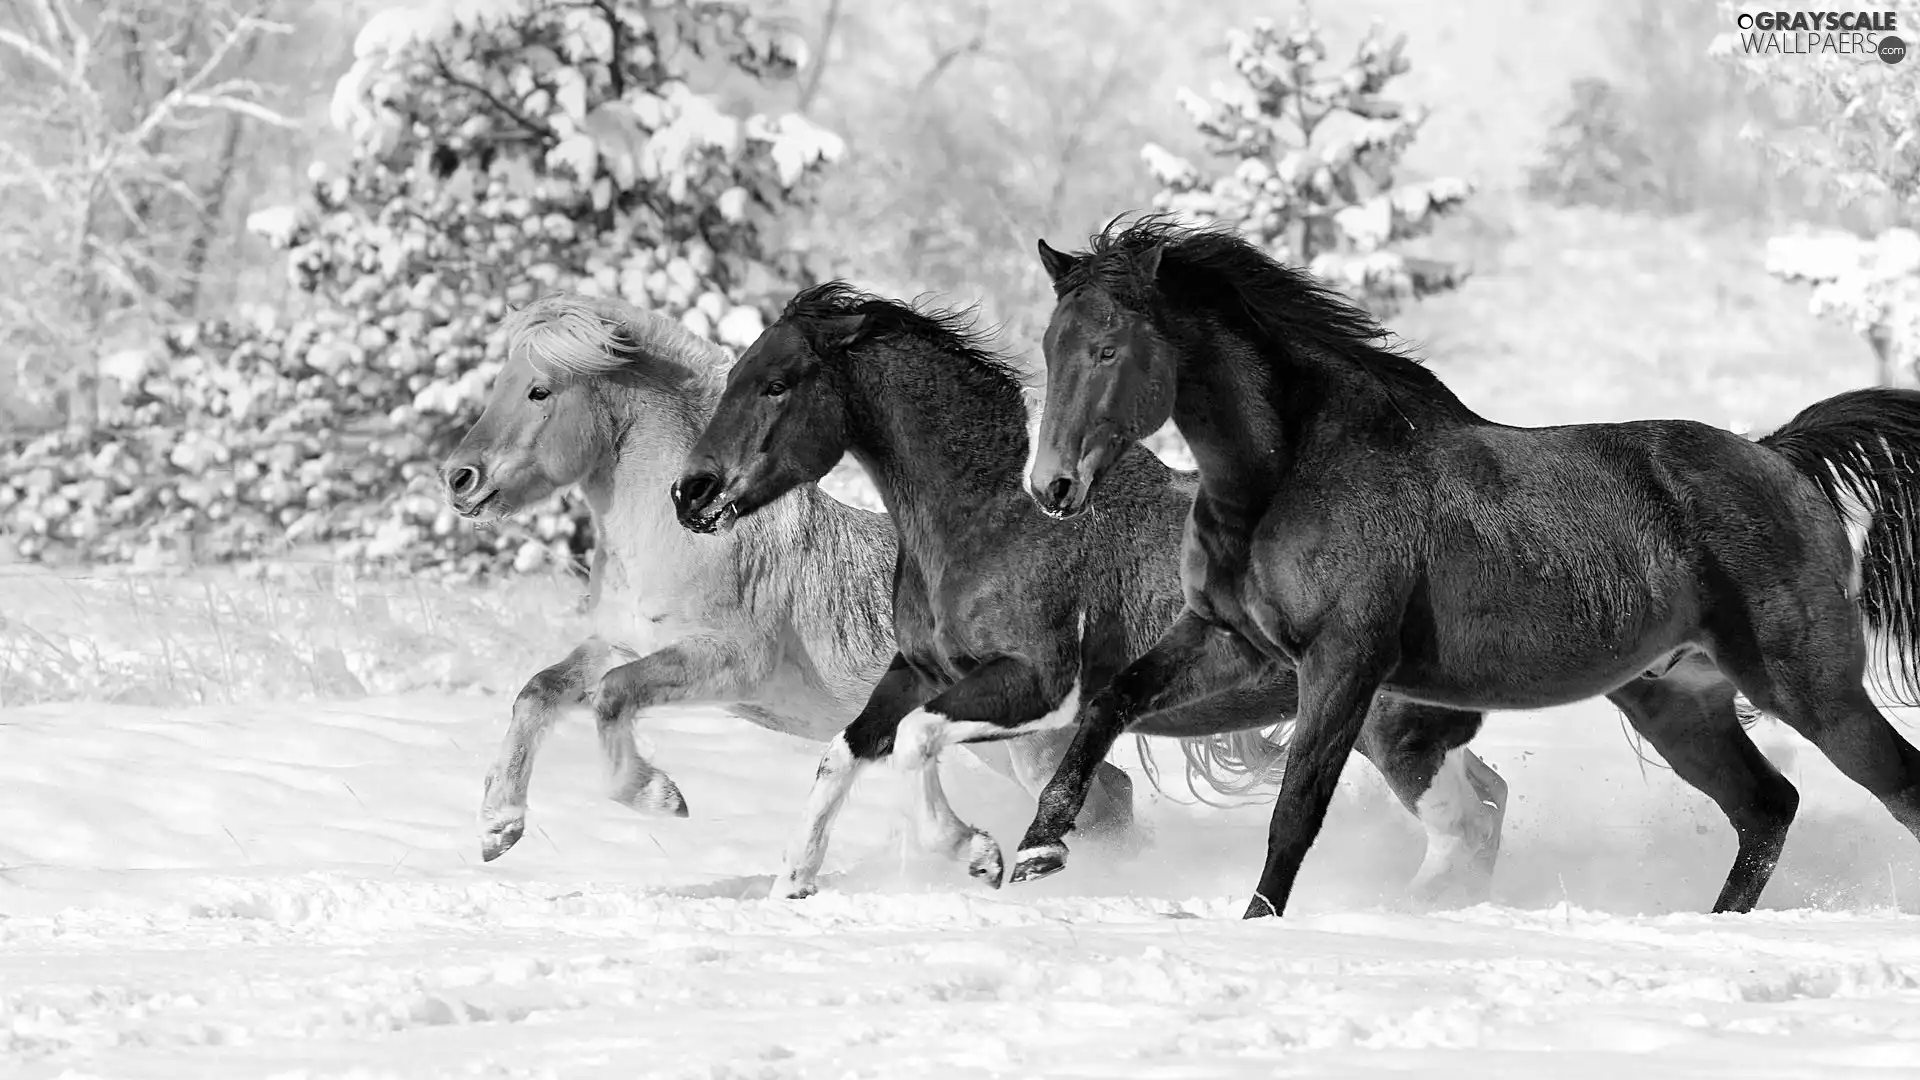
column 841, row 331
column 1146, row 265
column 1058, row 263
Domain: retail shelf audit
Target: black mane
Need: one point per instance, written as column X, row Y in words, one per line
column 1280, row 307
column 952, row 330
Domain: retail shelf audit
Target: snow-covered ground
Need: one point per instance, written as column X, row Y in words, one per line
column 295, row 891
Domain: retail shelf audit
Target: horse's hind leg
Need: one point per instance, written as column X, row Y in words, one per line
column 1825, row 700
column 1421, row 751
column 503, row 805
column 1689, row 717
column 1109, row 807
column 870, row 737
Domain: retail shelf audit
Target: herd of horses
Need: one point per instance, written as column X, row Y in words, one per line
column 1360, row 560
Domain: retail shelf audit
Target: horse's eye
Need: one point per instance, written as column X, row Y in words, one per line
column 775, row 388
column 1107, row 352
column 539, row 393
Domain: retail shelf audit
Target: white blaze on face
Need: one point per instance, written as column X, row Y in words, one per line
column 1035, row 405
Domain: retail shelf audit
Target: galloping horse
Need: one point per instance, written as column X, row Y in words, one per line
column 1356, row 519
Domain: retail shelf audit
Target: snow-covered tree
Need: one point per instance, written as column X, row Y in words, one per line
column 501, row 148
column 1871, row 286
column 1859, row 132
column 107, row 201
column 1311, row 151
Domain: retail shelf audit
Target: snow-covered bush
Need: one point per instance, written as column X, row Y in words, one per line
column 1872, row 287
column 1312, row 155
column 1858, row 131
column 502, row 148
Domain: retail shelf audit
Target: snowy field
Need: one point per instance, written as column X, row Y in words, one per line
column 294, row 891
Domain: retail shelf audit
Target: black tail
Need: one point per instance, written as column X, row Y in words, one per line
column 1863, row 450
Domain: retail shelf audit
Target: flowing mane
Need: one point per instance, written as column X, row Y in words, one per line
column 1280, row 307
column 573, row 335
column 951, row 330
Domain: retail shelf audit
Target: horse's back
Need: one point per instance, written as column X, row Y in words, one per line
column 1607, row 539
column 1647, row 487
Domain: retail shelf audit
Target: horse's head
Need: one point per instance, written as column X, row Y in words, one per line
column 1110, row 371
column 781, row 423
column 565, row 394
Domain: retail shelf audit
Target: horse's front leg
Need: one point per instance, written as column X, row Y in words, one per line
column 503, row 803
column 1004, row 698
column 1339, row 675
column 1109, row 807
column 1194, row 659
column 869, row 737
column 706, row 667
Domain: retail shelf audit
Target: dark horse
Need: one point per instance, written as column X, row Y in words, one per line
column 1355, row 519
column 1003, row 619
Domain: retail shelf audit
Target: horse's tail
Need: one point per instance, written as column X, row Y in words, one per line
column 1234, row 764
column 1862, row 449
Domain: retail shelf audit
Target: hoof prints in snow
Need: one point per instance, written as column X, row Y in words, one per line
column 922, row 984
column 296, row 893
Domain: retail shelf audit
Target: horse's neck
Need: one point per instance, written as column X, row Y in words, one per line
column 1248, row 413
column 940, row 452
column 648, row 556
column 634, row 525
column 1243, row 440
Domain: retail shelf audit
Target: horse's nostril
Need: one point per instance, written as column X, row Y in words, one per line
column 463, row 480
column 695, row 491
column 1058, row 490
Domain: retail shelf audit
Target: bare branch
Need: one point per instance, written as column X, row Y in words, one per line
column 244, row 29
column 32, row 173
column 252, row 109
column 829, row 24
column 59, row 24
column 944, row 59
column 617, row 70
column 1077, row 128
column 39, row 56
column 446, row 72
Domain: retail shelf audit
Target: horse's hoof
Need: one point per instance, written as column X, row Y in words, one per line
column 1450, row 892
column 659, row 796
column 785, row 888
column 501, row 836
column 1260, row 908
column 984, row 861
column 1037, row 862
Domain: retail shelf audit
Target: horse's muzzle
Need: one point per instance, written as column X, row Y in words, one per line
column 702, row 503
column 1061, row 498
column 467, row 490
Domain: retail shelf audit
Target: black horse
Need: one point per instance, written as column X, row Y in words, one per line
column 1002, row 618
column 1356, row 519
